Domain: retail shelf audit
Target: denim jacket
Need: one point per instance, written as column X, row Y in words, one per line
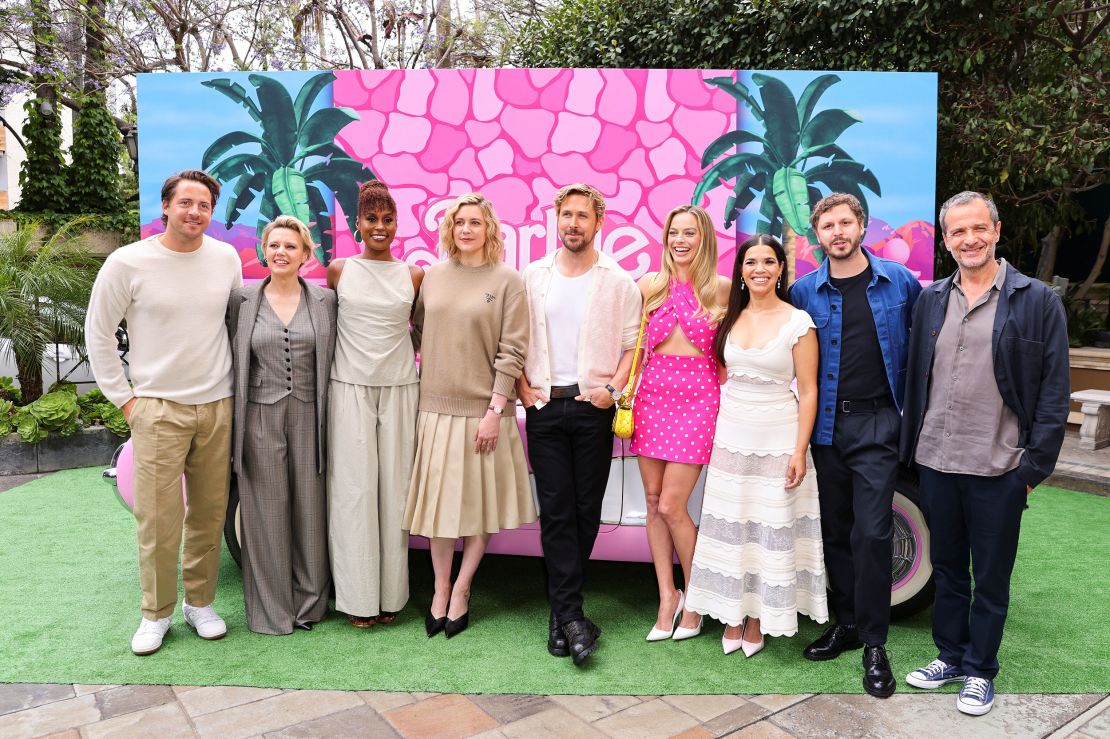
column 891, row 294
column 1030, row 350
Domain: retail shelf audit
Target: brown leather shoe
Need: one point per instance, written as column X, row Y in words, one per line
column 362, row 622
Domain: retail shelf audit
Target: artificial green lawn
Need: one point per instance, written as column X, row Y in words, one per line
column 69, row 603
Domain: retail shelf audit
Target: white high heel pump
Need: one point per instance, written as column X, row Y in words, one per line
column 663, row 634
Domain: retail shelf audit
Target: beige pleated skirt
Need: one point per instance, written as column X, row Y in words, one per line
column 456, row 492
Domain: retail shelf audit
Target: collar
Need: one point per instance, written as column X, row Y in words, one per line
column 878, row 271
column 603, row 260
column 997, row 284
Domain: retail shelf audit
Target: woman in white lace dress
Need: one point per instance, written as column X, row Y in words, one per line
column 758, row 561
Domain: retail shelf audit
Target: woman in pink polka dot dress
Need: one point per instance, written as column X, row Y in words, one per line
column 675, row 411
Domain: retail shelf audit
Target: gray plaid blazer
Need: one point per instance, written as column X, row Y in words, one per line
column 242, row 310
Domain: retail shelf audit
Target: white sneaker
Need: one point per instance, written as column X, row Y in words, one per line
column 148, row 638
column 206, row 621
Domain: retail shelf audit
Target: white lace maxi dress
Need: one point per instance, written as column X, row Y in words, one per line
column 759, row 550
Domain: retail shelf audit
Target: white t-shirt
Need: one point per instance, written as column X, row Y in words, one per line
column 564, row 310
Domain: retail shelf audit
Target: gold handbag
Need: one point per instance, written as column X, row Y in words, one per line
column 622, row 421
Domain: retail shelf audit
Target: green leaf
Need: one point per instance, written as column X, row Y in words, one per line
column 242, row 195
column 808, row 101
column 726, row 141
column 740, row 92
column 279, row 125
column 307, row 95
column 782, row 116
column 321, row 227
column 726, row 169
column 838, row 172
column 792, row 198
column 323, row 126
column 227, row 142
column 236, row 92
column 238, row 165
column 290, row 193
column 826, row 127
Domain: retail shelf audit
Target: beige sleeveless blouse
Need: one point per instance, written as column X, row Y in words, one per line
column 372, row 345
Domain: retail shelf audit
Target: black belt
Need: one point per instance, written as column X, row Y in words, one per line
column 864, row 406
column 564, row 391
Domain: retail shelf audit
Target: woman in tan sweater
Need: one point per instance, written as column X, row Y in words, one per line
column 470, row 478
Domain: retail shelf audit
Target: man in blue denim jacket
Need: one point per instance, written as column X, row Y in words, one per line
column 986, row 406
column 861, row 305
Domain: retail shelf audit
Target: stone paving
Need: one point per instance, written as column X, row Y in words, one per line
column 94, row 711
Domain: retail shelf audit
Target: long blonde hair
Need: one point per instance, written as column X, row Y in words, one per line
column 494, row 244
column 703, row 272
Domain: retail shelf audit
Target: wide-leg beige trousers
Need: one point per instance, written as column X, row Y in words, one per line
column 371, row 448
column 170, row 439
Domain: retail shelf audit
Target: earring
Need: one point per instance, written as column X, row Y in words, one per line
column 742, row 285
column 778, row 284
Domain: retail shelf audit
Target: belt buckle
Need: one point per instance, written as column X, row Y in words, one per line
column 845, row 406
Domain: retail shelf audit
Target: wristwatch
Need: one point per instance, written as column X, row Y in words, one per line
column 613, row 392
column 497, row 411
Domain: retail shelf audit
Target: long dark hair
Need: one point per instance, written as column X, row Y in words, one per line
column 739, row 296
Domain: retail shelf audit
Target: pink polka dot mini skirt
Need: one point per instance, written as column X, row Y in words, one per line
column 675, row 411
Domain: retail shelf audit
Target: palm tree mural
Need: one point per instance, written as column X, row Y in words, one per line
column 297, row 159
column 799, row 151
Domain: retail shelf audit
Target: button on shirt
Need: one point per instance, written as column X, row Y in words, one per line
column 967, row 428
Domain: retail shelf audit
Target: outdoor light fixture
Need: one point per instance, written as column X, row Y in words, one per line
column 46, row 108
column 131, row 140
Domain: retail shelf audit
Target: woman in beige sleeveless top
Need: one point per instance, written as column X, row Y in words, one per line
column 372, row 404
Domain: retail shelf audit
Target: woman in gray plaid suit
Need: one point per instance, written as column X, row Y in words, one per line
column 282, row 333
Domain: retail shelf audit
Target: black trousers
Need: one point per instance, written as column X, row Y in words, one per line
column 570, row 446
column 973, row 526
column 855, row 483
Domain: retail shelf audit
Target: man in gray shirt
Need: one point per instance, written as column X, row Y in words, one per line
column 986, row 405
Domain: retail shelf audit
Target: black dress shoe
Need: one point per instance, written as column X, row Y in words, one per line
column 434, row 625
column 832, row 643
column 878, row 680
column 581, row 639
column 305, row 626
column 456, row 626
column 556, row 641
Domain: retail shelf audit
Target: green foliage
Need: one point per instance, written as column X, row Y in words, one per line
column 94, row 177
column 27, row 426
column 55, row 411
column 8, row 390
column 44, row 293
column 42, row 176
column 1024, row 103
column 113, row 419
column 7, row 410
column 297, row 161
column 125, row 223
column 1084, row 322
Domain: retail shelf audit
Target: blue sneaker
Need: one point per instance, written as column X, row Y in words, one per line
column 976, row 697
column 934, row 675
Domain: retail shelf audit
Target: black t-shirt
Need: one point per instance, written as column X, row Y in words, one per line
column 862, row 374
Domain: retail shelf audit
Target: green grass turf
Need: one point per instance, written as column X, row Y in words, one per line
column 69, row 602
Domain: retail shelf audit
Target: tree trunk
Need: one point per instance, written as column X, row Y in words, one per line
column 94, row 46
column 443, row 34
column 1100, row 260
column 30, row 379
column 1050, row 244
column 788, row 239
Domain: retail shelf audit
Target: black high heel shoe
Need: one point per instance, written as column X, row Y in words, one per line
column 434, row 625
column 456, row 626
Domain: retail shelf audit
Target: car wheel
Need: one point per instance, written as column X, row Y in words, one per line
column 911, row 572
column 232, row 528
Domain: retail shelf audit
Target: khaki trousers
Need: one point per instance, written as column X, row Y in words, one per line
column 171, row 439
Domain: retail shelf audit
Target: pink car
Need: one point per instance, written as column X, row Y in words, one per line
column 623, row 516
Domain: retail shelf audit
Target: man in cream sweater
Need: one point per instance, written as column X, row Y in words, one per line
column 584, row 312
column 172, row 289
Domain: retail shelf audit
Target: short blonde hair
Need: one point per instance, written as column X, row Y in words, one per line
column 494, row 245
column 579, row 188
column 293, row 224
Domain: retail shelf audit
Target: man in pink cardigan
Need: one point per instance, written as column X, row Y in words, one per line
column 585, row 313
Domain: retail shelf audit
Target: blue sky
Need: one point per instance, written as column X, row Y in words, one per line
column 896, row 138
